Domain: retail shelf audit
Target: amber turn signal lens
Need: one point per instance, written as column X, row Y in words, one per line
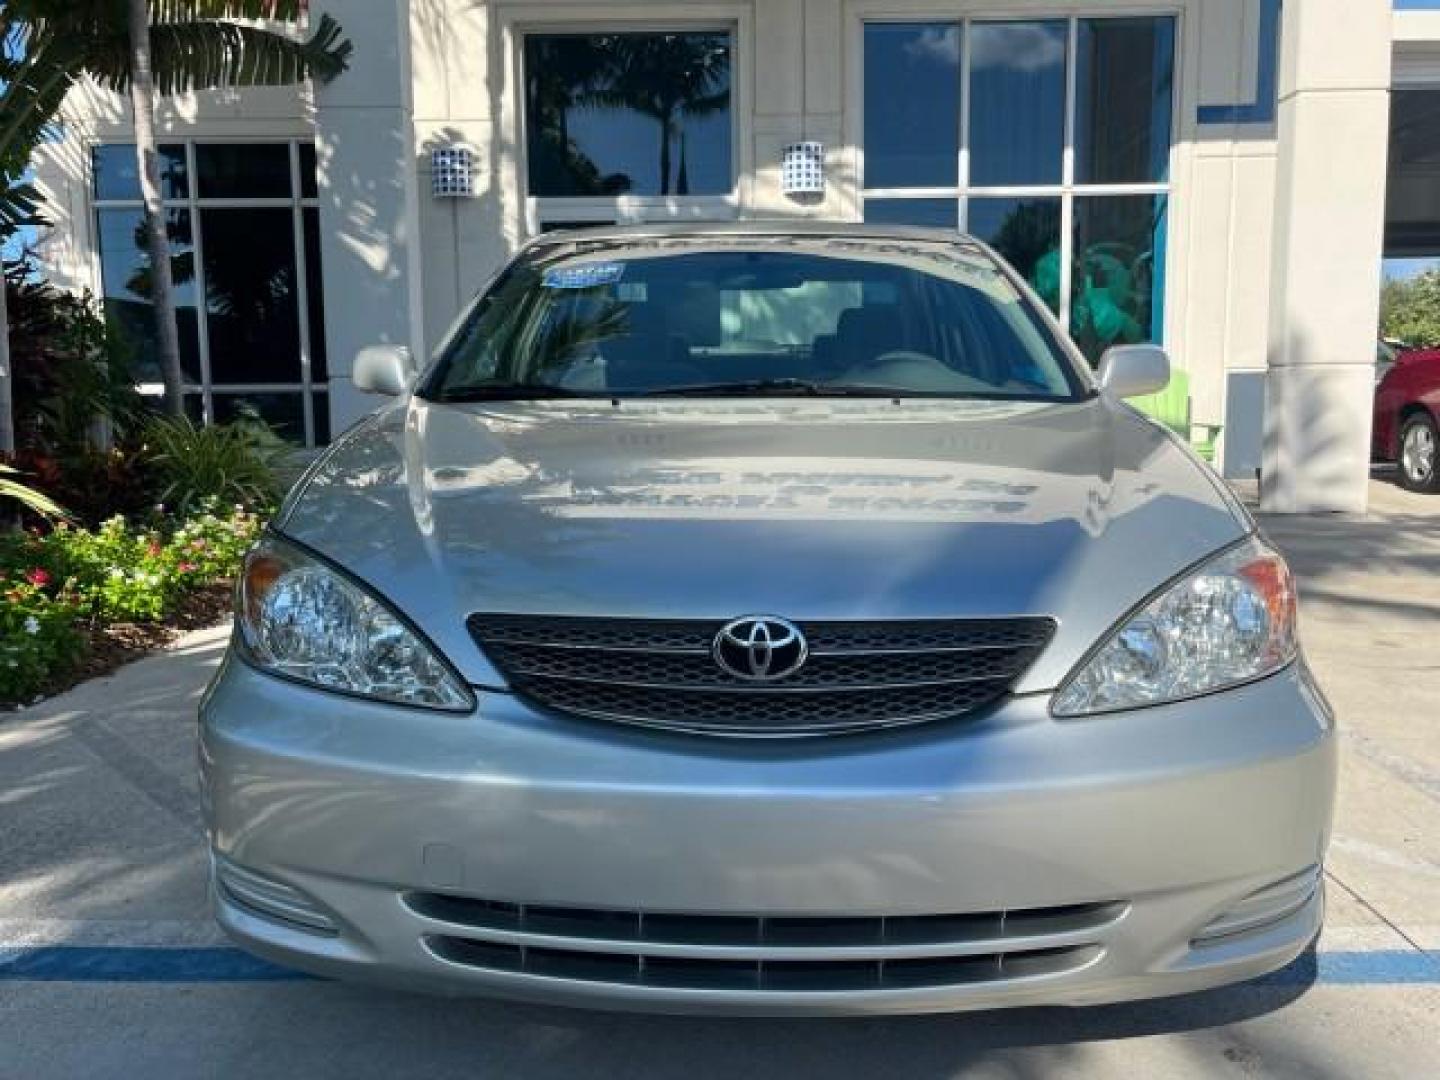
column 262, row 571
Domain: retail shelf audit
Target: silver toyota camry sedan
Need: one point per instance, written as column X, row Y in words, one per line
column 768, row 619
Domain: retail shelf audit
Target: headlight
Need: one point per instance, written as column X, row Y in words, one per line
column 301, row 619
column 1229, row 622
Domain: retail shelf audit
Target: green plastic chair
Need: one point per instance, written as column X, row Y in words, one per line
column 1171, row 407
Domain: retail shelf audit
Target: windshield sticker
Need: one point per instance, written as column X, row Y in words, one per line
column 584, row 276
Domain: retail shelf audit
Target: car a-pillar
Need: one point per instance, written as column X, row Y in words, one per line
column 1333, row 121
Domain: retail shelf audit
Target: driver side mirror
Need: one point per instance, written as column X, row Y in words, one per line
column 1134, row 370
column 383, row 369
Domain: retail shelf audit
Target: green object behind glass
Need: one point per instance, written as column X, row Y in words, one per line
column 1171, row 407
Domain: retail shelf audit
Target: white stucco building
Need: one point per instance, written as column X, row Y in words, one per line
column 1209, row 174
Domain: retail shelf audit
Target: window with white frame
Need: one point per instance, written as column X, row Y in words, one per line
column 244, row 231
column 628, row 125
column 1047, row 138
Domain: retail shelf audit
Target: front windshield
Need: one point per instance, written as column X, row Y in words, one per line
column 860, row 317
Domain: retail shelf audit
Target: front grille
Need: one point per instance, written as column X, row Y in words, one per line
column 762, row 954
column 858, row 674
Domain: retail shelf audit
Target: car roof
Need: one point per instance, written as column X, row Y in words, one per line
column 787, row 227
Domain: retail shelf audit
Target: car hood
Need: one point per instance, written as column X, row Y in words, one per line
column 806, row 509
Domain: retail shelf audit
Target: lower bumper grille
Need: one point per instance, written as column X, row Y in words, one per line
column 762, row 954
column 773, row 976
column 855, row 675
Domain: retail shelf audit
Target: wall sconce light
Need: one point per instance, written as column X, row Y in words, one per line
column 452, row 172
column 802, row 169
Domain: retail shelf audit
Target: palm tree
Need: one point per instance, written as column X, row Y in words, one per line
column 145, row 47
column 666, row 77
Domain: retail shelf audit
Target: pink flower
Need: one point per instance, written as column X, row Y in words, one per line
column 38, row 577
column 186, row 567
column 197, row 544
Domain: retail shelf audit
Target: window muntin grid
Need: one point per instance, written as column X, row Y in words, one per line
column 961, row 48
column 288, row 185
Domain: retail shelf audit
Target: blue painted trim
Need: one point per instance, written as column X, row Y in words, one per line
column 125, row 964
column 1262, row 109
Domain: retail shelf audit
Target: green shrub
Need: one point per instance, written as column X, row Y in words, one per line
column 92, row 484
column 39, row 636
column 128, row 573
column 73, row 375
column 228, row 463
column 54, row 583
column 116, row 570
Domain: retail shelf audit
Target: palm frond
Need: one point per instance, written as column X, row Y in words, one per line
column 174, row 11
column 707, row 104
column 32, row 95
column 27, row 496
column 19, row 207
column 200, row 55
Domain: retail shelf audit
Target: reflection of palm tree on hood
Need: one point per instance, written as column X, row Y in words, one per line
column 666, row 77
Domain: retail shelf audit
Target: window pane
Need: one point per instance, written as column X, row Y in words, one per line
column 282, row 410
column 315, row 297
column 1017, row 102
column 125, row 279
column 308, row 187
column 117, row 173
column 912, row 104
column 243, row 170
column 930, row 213
column 254, row 324
column 322, row 418
column 1117, row 296
column 1027, row 233
column 647, row 114
column 1125, row 83
column 192, row 403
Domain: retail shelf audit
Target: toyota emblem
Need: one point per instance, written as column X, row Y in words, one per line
column 760, row 648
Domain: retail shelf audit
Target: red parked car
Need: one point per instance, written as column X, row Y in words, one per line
column 1407, row 416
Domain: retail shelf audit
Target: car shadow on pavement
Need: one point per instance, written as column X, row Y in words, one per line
column 541, row 1041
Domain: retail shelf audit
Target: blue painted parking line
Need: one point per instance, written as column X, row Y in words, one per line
column 1381, row 967
column 119, row 963
column 129, row 964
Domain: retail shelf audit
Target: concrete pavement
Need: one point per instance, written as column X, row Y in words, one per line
column 109, row 965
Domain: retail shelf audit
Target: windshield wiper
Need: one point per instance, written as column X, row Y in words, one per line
column 513, row 392
column 771, row 387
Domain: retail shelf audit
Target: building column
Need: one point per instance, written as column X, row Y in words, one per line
column 369, row 201
column 1329, row 224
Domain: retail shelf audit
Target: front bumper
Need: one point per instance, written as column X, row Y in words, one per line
column 1093, row 854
